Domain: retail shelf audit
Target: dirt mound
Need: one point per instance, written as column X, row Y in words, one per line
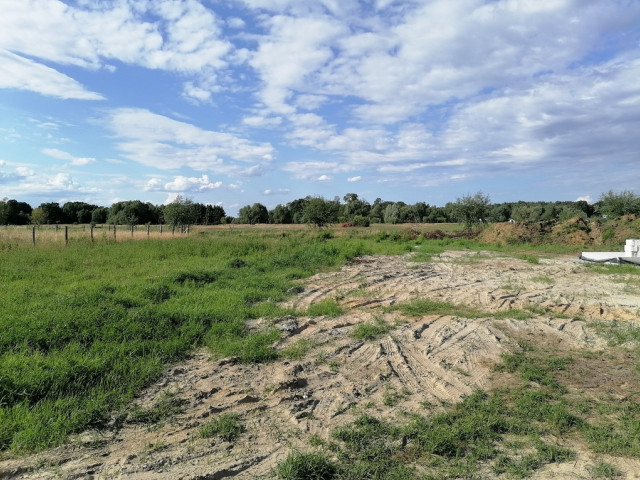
column 514, row 233
column 415, row 364
column 573, row 232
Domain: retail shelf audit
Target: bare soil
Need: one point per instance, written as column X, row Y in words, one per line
column 422, row 365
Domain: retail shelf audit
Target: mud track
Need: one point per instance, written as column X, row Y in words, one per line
column 421, row 365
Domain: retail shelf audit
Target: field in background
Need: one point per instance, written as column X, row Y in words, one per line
column 55, row 235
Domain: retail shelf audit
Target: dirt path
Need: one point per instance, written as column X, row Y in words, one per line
column 420, row 365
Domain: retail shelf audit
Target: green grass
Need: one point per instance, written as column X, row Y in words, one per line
column 164, row 408
column 87, row 326
column 306, row 466
column 226, row 426
column 511, row 432
column 370, row 330
column 425, row 306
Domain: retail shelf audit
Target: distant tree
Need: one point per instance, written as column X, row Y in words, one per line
column 281, row 214
column 252, row 214
column 354, row 206
column 392, row 213
column 618, row 204
column 133, row 212
column 213, row 215
column 527, row 212
column 376, row 214
column 499, row 212
column 297, row 209
column 99, row 215
column 320, row 212
column 181, row 212
column 52, row 212
column 14, row 212
column 38, row 216
column 471, row 209
column 79, row 212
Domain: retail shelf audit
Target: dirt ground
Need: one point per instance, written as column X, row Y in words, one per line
column 422, row 364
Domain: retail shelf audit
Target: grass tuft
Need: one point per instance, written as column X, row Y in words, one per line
column 226, row 426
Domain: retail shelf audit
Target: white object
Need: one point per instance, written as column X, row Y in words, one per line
column 631, row 254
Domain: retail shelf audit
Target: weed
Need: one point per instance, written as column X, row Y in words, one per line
column 227, row 426
column 369, row 330
column 606, row 471
column 529, row 259
column 165, row 407
column 543, row 279
column 327, row 307
column 298, row 350
column 306, row 466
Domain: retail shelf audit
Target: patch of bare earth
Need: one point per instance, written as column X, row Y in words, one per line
column 422, row 364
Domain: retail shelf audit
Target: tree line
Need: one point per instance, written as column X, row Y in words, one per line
column 134, row 212
column 351, row 209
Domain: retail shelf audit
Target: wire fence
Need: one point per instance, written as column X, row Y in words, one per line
column 63, row 234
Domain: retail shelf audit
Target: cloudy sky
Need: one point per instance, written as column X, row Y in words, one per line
column 233, row 102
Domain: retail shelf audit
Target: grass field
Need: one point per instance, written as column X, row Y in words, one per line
column 88, row 325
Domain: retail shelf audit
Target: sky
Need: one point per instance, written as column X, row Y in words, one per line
column 233, row 102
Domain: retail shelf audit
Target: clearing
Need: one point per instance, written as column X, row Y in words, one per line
column 372, row 358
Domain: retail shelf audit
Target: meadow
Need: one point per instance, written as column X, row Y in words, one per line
column 87, row 326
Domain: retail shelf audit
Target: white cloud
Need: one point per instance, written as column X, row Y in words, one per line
column 323, row 178
column 24, row 74
column 158, row 141
column 279, row 191
column 62, row 155
column 235, row 22
column 189, row 184
column 357, row 178
column 182, row 36
column 314, row 170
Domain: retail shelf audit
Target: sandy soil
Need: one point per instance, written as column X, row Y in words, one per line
column 422, row 364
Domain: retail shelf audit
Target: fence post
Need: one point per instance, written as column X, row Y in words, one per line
column 91, row 233
column 33, row 235
column 173, row 229
column 66, row 235
column 114, row 232
column 132, row 230
column 160, row 229
column 148, row 229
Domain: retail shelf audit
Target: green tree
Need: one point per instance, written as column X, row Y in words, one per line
column 52, row 212
column 280, row 215
column 354, row 206
column 38, row 216
column 99, row 215
column 14, row 212
column 617, row 204
column 320, row 212
column 79, row 212
column 252, row 214
column 133, row 212
column 392, row 213
column 181, row 212
column 213, row 215
column 471, row 209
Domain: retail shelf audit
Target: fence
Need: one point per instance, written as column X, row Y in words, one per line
column 64, row 233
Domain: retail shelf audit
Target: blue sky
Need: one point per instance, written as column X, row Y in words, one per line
column 237, row 102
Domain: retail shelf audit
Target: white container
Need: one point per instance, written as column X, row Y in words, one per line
column 632, row 247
